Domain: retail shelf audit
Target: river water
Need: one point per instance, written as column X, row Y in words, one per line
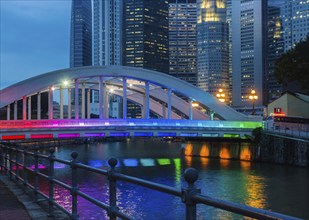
column 272, row 187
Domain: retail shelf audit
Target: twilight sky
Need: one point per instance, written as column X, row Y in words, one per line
column 34, row 38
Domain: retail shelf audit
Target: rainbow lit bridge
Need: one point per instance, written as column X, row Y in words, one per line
column 165, row 103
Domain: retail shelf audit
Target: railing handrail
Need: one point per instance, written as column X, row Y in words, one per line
column 190, row 195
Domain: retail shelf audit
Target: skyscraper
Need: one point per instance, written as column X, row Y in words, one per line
column 81, row 34
column 288, row 23
column 248, row 51
column 145, row 34
column 107, row 32
column 275, row 41
column 182, row 40
column 212, row 47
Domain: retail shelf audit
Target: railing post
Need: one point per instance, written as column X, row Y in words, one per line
column 74, row 189
column 25, row 181
column 6, row 160
column 1, row 159
column 16, row 164
column 190, row 175
column 51, row 181
column 10, row 162
column 36, row 170
column 112, row 189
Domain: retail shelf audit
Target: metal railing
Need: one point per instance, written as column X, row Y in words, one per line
column 288, row 129
column 13, row 159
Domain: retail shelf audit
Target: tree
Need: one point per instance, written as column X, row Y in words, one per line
column 293, row 66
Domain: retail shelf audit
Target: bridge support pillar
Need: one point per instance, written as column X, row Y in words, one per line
column 29, row 108
column 83, row 101
column 147, row 100
column 39, row 106
column 163, row 110
column 190, row 110
column 88, row 103
column 124, row 100
column 169, row 104
column 61, row 102
column 8, row 112
column 50, row 103
column 212, row 114
column 69, row 103
column 24, row 107
column 76, row 100
column 15, row 110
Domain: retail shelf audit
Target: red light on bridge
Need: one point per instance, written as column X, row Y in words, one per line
column 41, row 136
column 13, row 137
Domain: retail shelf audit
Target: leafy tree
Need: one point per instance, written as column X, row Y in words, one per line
column 293, row 66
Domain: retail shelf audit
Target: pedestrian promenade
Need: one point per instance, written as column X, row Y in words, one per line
column 15, row 204
column 10, row 207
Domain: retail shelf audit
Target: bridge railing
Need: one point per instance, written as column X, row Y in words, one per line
column 14, row 160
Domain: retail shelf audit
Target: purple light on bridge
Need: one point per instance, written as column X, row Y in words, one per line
column 70, row 135
column 94, row 134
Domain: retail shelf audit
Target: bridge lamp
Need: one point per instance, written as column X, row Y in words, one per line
column 220, row 95
column 65, row 83
column 253, row 97
column 195, row 104
column 52, row 88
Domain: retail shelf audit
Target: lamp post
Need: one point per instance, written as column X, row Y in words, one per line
column 220, row 95
column 253, row 97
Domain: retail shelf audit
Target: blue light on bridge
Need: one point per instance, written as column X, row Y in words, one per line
column 166, row 134
column 147, row 162
column 189, row 134
column 143, row 134
column 119, row 134
column 130, row 162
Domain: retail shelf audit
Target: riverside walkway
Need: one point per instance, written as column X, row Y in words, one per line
column 16, row 204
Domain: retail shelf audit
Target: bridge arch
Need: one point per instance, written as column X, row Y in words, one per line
column 158, row 86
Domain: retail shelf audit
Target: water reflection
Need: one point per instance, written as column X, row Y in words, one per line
column 237, row 181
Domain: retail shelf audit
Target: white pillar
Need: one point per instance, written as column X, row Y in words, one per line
column 169, row 104
column 76, row 100
column 39, row 106
column 69, row 103
column 24, row 107
column 105, row 101
column 83, row 101
column 88, row 103
column 29, row 108
column 190, row 110
column 124, row 98
column 15, row 110
column 8, row 112
column 101, row 97
column 50, row 103
column 147, row 100
column 61, row 102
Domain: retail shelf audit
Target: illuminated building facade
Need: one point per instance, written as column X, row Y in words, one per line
column 288, row 23
column 145, row 34
column 182, row 40
column 212, row 47
column 248, row 51
column 81, row 34
column 107, row 32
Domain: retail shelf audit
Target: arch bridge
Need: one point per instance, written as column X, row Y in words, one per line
column 79, row 99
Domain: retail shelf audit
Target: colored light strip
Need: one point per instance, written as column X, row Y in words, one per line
column 164, row 161
column 70, row 135
column 13, row 137
column 166, row 134
column 119, row 134
column 188, row 134
column 95, row 163
column 41, row 136
column 94, row 134
column 231, row 135
column 143, row 134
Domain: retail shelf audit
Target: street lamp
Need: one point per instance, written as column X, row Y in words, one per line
column 221, row 96
column 253, row 97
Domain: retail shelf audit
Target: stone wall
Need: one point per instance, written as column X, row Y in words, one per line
column 282, row 150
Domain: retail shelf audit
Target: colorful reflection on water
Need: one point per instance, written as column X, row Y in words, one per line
column 237, row 181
